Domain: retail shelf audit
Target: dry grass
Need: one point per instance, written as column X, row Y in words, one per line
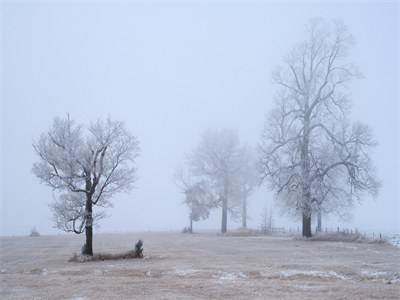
column 104, row 256
column 343, row 237
column 198, row 266
column 243, row 232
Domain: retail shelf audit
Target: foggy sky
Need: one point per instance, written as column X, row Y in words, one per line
column 170, row 71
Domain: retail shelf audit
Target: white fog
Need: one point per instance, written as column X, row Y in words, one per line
column 177, row 75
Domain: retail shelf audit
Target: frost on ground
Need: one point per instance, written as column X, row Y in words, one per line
column 312, row 273
column 185, row 272
column 200, row 266
column 389, row 277
column 229, row 276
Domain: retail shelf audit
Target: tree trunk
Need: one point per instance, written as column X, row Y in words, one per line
column 224, row 220
column 306, row 225
column 305, row 170
column 191, row 225
column 88, row 247
column 224, row 215
column 319, row 221
column 270, row 221
column 244, row 213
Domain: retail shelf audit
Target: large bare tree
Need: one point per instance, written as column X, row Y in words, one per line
column 308, row 138
column 85, row 166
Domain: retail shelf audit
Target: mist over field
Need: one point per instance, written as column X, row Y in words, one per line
column 170, row 71
column 199, row 150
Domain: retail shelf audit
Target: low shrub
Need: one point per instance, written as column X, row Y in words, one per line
column 34, row 232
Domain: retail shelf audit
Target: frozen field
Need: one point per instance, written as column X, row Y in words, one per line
column 199, row 266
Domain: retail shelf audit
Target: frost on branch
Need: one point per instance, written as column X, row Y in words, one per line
column 311, row 155
column 69, row 213
column 219, row 173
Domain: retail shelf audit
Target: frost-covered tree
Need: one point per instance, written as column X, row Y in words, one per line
column 85, row 166
column 197, row 196
column 309, row 147
column 216, row 162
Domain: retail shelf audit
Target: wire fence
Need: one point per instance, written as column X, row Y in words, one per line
column 394, row 238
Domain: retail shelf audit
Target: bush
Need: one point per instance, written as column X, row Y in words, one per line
column 186, row 230
column 34, row 232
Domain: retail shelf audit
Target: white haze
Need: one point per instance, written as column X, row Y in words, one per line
column 170, row 71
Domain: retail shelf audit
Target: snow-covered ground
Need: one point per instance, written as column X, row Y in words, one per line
column 199, row 266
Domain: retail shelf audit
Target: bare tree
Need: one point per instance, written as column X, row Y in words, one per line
column 216, row 161
column 85, row 167
column 266, row 220
column 308, row 137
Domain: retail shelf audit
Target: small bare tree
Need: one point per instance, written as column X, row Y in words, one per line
column 266, row 220
column 34, row 232
column 308, row 137
column 85, row 167
column 197, row 196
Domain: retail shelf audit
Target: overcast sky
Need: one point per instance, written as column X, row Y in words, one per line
column 170, row 71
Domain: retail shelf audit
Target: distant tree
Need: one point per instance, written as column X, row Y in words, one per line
column 308, row 138
column 197, row 197
column 247, row 179
column 196, row 200
column 85, row 166
column 266, row 220
column 216, row 162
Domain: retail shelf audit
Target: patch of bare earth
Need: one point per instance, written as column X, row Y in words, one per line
column 199, row 266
